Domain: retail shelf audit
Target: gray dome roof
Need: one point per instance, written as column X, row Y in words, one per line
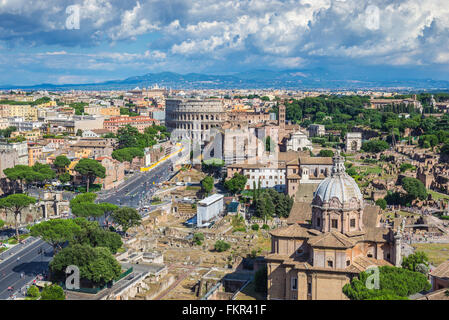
column 339, row 185
column 342, row 187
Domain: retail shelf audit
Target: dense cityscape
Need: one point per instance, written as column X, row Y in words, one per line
column 157, row 194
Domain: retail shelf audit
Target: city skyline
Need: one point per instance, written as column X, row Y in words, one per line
column 71, row 42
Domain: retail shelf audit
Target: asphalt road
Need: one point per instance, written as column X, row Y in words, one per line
column 138, row 189
column 30, row 263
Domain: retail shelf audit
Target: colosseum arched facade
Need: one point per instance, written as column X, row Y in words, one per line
column 191, row 118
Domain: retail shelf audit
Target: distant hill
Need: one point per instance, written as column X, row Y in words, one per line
column 256, row 79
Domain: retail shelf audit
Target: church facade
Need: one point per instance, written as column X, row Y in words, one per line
column 343, row 237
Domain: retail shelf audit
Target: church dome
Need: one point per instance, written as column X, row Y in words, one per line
column 339, row 186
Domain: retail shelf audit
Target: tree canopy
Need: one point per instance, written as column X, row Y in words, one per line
column 52, row 292
column 221, row 245
column 207, row 184
column 61, row 162
column 91, row 169
column 97, row 264
column 56, row 231
column 415, row 188
column 236, row 184
column 375, row 146
column 126, row 217
column 394, row 284
column 92, row 234
column 127, row 154
column 412, row 261
column 15, row 203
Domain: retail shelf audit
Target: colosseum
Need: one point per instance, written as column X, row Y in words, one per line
column 192, row 118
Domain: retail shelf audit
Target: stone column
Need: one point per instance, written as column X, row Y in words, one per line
column 397, row 249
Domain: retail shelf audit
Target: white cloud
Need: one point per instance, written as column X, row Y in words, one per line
column 275, row 33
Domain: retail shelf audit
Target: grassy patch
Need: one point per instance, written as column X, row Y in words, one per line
column 12, row 241
column 3, row 249
column 437, row 196
column 24, row 236
column 193, row 188
column 437, row 252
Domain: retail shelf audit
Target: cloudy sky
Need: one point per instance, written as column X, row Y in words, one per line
column 79, row 41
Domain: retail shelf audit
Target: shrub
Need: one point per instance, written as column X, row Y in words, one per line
column 198, row 238
column 53, row 292
column 395, row 284
column 239, row 229
column 255, row 227
column 382, row 203
column 265, row 227
column 33, row 292
column 221, row 246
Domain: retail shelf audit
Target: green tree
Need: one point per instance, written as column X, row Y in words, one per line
column 412, row 261
column 127, row 137
column 269, row 144
column 52, row 292
column 84, row 197
column 127, row 154
column 2, row 223
column 198, row 238
column 61, row 163
column 97, row 265
column 126, row 217
column 414, row 188
column 395, row 284
column 382, row 203
column 207, row 184
column 56, row 232
column 406, row 166
column 91, row 169
column 87, row 210
column 33, row 293
column 15, row 203
column 326, row 153
column 221, row 245
column 375, row 146
column 236, row 184
column 108, row 209
column 92, row 234
column 65, row 177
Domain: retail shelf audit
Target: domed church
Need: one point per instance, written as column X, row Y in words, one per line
column 344, row 237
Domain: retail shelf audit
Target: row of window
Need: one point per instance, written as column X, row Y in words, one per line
column 334, row 223
column 294, row 286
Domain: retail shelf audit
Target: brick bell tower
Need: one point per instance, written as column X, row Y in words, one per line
column 281, row 122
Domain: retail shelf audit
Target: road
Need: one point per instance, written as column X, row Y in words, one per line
column 138, row 187
column 30, row 262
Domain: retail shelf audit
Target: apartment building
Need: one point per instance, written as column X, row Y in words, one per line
column 138, row 122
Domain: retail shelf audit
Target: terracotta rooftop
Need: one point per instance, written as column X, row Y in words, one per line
column 361, row 263
column 294, row 230
column 442, row 271
column 436, row 295
column 331, row 239
column 300, row 213
column 315, row 160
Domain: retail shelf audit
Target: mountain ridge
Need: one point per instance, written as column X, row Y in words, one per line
column 254, row 79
